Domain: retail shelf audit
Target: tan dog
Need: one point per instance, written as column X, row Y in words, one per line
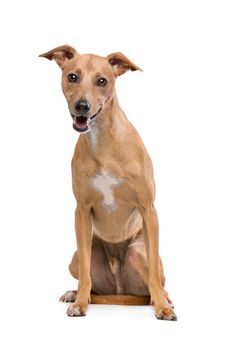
column 116, row 222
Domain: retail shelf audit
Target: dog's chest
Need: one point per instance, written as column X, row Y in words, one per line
column 104, row 183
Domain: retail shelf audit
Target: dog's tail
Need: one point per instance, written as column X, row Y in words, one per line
column 120, row 299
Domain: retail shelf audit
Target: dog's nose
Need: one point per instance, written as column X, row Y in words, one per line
column 82, row 106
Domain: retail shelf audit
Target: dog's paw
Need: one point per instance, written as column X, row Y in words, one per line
column 166, row 314
column 69, row 296
column 77, row 310
column 162, row 304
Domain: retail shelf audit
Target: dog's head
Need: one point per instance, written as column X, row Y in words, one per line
column 88, row 81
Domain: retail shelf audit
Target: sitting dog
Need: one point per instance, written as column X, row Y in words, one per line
column 116, row 223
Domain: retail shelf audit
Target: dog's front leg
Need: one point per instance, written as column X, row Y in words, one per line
column 83, row 227
column 158, row 297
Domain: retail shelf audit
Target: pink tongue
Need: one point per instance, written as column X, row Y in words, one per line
column 81, row 122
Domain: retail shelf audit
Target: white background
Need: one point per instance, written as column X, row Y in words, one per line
column 182, row 106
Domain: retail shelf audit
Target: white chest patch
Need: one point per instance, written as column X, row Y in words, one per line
column 104, row 183
column 94, row 136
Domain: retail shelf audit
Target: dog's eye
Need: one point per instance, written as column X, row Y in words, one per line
column 101, row 82
column 72, row 77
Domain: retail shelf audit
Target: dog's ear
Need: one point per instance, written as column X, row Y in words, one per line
column 120, row 63
column 60, row 54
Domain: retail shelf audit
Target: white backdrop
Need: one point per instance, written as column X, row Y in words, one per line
column 185, row 50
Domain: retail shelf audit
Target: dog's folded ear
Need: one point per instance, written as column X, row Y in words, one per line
column 120, row 63
column 60, row 54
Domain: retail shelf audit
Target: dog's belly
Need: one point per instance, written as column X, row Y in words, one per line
column 116, row 226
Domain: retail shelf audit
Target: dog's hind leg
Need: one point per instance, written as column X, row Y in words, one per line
column 70, row 295
column 136, row 269
column 73, row 267
column 102, row 279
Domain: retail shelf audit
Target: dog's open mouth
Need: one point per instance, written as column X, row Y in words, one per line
column 82, row 123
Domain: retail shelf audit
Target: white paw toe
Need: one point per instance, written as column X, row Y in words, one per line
column 74, row 311
column 69, row 297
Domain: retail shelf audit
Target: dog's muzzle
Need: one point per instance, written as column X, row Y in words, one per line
column 81, row 123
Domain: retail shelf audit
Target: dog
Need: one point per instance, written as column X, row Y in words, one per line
column 116, row 223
